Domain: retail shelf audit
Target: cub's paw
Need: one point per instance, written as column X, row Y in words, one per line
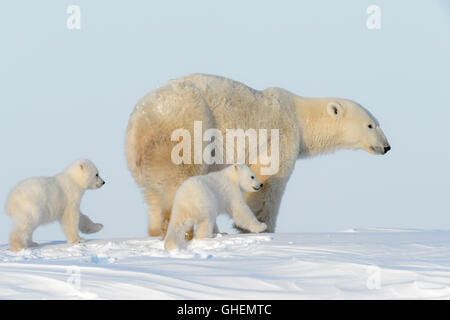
column 170, row 244
column 77, row 240
column 32, row 244
column 260, row 228
column 93, row 228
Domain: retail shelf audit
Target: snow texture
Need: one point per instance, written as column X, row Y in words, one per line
column 355, row 264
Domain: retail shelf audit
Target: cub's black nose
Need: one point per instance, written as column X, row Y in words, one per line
column 103, row 182
column 387, row 148
column 261, row 185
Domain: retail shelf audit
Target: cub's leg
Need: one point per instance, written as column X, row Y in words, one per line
column 16, row 242
column 30, row 242
column 69, row 222
column 265, row 204
column 179, row 224
column 188, row 235
column 205, row 228
column 21, row 237
column 216, row 229
column 85, row 225
column 23, row 227
column 244, row 218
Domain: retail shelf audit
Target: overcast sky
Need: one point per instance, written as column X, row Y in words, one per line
column 67, row 94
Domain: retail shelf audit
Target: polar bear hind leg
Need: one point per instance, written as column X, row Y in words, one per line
column 205, row 228
column 177, row 230
column 21, row 237
column 156, row 212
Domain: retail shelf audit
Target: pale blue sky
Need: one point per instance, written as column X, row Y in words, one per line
column 68, row 94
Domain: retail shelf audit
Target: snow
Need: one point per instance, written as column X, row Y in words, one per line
column 355, row 264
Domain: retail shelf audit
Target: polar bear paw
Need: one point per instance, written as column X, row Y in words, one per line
column 171, row 243
column 32, row 244
column 77, row 240
column 259, row 228
column 92, row 228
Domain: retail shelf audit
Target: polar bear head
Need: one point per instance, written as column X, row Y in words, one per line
column 246, row 178
column 330, row 124
column 357, row 127
column 85, row 174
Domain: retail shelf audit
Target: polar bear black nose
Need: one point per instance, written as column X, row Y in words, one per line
column 261, row 185
column 387, row 148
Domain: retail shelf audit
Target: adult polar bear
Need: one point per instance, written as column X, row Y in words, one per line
column 307, row 127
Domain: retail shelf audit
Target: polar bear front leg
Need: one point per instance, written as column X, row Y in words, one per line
column 69, row 222
column 244, row 218
column 86, row 225
column 266, row 203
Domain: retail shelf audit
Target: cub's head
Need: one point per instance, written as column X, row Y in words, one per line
column 85, row 174
column 246, row 178
column 358, row 128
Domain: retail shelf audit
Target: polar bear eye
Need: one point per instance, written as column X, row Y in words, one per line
column 253, row 177
column 370, row 126
column 96, row 175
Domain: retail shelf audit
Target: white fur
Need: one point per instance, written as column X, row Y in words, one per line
column 200, row 199
column 42, row 200
column 308, row 127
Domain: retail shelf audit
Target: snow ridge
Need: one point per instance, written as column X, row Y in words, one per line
column 362, row 264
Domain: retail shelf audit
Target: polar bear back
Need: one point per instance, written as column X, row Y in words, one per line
column 233, row 104
column 210, row 193
column 39, row 193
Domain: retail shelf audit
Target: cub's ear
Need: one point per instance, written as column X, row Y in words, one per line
column 335, row 109
column 81, row 166
column 236, row 167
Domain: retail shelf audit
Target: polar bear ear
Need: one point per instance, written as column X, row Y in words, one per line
column 236, row 167
column 335, row 109
column 81, row 166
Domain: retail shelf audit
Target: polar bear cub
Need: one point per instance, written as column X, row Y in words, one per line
column 200, row 199
column 37, row 201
